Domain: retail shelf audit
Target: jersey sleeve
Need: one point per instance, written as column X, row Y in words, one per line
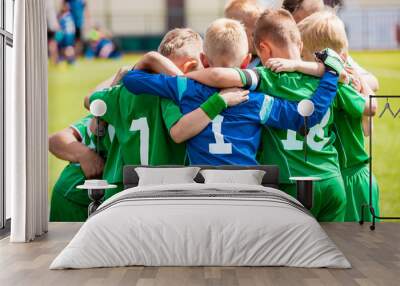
column 139, row 82
column 282, row 114
column 170, row 112
column 81, row 126
column 111, row 98
column 261, row 79
column 350, row 101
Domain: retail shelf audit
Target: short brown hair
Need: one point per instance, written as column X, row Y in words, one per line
column 277, row 26
column 323, row 30
column 181, row 42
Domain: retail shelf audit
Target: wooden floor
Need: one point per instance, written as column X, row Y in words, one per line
column 375, row 257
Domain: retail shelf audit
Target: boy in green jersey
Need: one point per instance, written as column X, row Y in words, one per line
column 77, row 145
column 277, row 36
column 325, row 29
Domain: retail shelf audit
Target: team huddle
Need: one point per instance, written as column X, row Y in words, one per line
column 231, row 99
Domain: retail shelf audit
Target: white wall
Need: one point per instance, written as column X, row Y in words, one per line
column 127, row 17
column 371, row 28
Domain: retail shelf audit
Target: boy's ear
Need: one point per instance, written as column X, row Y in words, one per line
column 265, row 50
column 189, row 66
column 246, row 61
column 204, row 60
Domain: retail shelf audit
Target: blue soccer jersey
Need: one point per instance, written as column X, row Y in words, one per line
column 233, row 137
column 68, row 30
column 78, row 12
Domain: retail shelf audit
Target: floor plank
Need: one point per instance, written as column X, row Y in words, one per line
column 375, row 257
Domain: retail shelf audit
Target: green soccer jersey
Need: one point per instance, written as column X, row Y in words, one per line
column 108, row 144
column 82, row 127
column 350, row 136
column 285, row 147
column 142, row 125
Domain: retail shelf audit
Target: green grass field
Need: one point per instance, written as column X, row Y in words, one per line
column 68, row 86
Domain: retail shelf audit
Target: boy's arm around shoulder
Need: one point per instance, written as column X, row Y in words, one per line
column 157, row 63
column 217, row 77
column 139, row 82
column 284, row 114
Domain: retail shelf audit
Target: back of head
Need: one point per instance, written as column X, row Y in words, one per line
column 246, row 12
column 179, row 43
column 323, row 30
column 301, row 9
column 277, row 27
column 225, row 43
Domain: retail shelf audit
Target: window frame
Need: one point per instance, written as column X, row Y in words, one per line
column 6, row 39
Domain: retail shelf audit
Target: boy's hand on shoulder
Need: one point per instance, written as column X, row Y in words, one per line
column 234, row 96
column 354, row 78
column 282, row 65
column 120, row 74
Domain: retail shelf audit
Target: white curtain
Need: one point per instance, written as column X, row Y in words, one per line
column 26, row 121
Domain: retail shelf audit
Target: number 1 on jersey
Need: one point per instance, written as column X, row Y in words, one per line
column 142, row 126
column 219, row 147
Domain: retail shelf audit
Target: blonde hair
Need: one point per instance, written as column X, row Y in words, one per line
column 323, row 30
column 244, row 11
column 226, row 39
column 247, row 12
column 181, row 42
column 277, row 26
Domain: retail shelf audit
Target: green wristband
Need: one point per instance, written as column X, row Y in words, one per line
column 214, row 105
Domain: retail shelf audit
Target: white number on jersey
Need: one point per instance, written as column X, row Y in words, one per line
column 219, row 147
column 142, row 126
column 292, row 143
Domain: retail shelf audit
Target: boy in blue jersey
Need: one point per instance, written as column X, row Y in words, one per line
column 66, row 36
column 100, row 45
column 77, row 8
column 234, row 135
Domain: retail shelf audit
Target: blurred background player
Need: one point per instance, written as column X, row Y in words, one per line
column 100, row 45
column 325, row 29
column 79, row 13
column 66, row 35
column 52, row 28
column 246, row 12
